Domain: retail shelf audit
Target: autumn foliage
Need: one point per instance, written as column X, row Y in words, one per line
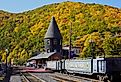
column 23, row 33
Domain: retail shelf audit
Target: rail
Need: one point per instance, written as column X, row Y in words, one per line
column 71, row 78
column 28, row 77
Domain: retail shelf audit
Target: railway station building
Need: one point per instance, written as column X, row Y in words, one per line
column 53, row 45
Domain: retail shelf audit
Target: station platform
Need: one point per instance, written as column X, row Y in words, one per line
column 37, row 70
column 15, row 78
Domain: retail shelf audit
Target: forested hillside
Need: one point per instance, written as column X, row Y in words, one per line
column 23, row 33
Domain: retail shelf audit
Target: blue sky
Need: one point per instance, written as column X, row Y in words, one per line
column 17, row 6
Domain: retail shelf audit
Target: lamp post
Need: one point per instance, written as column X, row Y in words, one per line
column 7, row 53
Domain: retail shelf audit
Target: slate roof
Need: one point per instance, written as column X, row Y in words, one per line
column 42, row 55
column 53, row 30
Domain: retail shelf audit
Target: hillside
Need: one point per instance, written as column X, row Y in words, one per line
column 23, row 32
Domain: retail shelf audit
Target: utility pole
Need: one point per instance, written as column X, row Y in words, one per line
column 92, row 53
column 70, row 34
column 92, row 48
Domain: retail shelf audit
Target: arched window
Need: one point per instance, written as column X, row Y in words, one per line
column 48, row 42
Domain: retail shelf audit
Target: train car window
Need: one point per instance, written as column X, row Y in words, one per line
column 101, row 62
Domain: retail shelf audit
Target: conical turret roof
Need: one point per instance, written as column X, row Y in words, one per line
column 53, row 30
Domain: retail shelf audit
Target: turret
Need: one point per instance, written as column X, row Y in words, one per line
column 53, row 38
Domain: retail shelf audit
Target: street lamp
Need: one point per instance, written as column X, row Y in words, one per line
column 7, row 53
column 70, row 45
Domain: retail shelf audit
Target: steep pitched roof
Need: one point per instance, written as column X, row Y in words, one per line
column 53, row 30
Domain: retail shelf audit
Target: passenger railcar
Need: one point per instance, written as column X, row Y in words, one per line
column 54, row 65
column 103, row 68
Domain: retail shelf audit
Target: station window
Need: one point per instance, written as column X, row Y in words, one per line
column 48, row 50
column 55, row 42
column 60, row 42
column 79, row 51
column 55, row 50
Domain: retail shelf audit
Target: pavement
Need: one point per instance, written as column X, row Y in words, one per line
column 15, row 78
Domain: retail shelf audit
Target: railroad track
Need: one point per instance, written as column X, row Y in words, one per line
column 53, row 78
column 28, row 77
column 57, row 77
column 71, row 78
column 61, row 79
